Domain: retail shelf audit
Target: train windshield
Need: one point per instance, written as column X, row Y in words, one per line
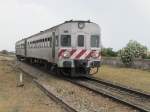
column 66, row 40
column 95, row 41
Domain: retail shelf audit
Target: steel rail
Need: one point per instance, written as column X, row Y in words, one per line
column 67, row 107
column 118, row 94
column 120, row 86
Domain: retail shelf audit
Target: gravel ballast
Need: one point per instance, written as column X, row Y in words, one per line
column 80, row 98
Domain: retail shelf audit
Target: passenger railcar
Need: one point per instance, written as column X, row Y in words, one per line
column 73, row 48
column 20, row 49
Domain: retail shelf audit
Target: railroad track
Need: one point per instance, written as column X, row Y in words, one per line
column 67, row 107
column 126, row 95
column 117, row 85
column 129, row 96
column 44, row 88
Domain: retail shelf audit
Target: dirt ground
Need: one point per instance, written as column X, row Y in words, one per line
column 135, row 78
column 22, row 99
column 30, row 98
column 80, row 98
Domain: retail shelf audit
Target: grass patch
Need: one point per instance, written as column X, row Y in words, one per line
column 130, row 77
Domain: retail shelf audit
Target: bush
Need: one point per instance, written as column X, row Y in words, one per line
column 4, row 52
column 132, row 50
column 108, row 52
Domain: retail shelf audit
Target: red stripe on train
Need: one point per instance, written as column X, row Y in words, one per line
column 89, row 55
column 72, row 52
column 80, row 54
column 60, row 52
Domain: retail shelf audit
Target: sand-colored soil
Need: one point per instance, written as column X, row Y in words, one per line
column 135, row 78
column 22, row 99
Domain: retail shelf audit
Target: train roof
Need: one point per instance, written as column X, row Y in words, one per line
column 70, row 21
column 20, row 40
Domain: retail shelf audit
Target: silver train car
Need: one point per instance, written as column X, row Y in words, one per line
column 72, row 48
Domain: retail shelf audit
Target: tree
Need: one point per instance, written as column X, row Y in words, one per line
column 132, row 50
column 108, row 52
column 4, row 52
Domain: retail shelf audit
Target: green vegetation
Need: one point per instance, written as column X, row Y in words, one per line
column 4, row 52
column 132, row 50
column 127, row 54
column 108, row 52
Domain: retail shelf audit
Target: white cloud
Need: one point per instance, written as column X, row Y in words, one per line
column 142, row 7
column 7, row 24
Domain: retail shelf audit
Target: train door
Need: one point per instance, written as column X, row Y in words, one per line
column 25, row 48
column 53, row 46
column 81, row 41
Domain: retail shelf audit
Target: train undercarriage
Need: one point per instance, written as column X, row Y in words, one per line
column 81, row 67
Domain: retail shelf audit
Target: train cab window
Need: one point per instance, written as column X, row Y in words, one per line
column 94, row 41
column 80, row 40
column 66, row 40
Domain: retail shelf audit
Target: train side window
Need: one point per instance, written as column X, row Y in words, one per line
column 50, row 41
column 47, row 42
column 56, row 41
column 30, row 44
column 66, row 40
column 38, row 43
column 45, row 39
column 33, row 44
column 81, row 40
column 42, row 43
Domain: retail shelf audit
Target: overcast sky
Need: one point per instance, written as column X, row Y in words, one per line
column 120, row 20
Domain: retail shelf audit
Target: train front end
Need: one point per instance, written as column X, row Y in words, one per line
column 80, row 49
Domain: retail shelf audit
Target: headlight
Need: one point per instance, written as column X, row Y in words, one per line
column 66, row 54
